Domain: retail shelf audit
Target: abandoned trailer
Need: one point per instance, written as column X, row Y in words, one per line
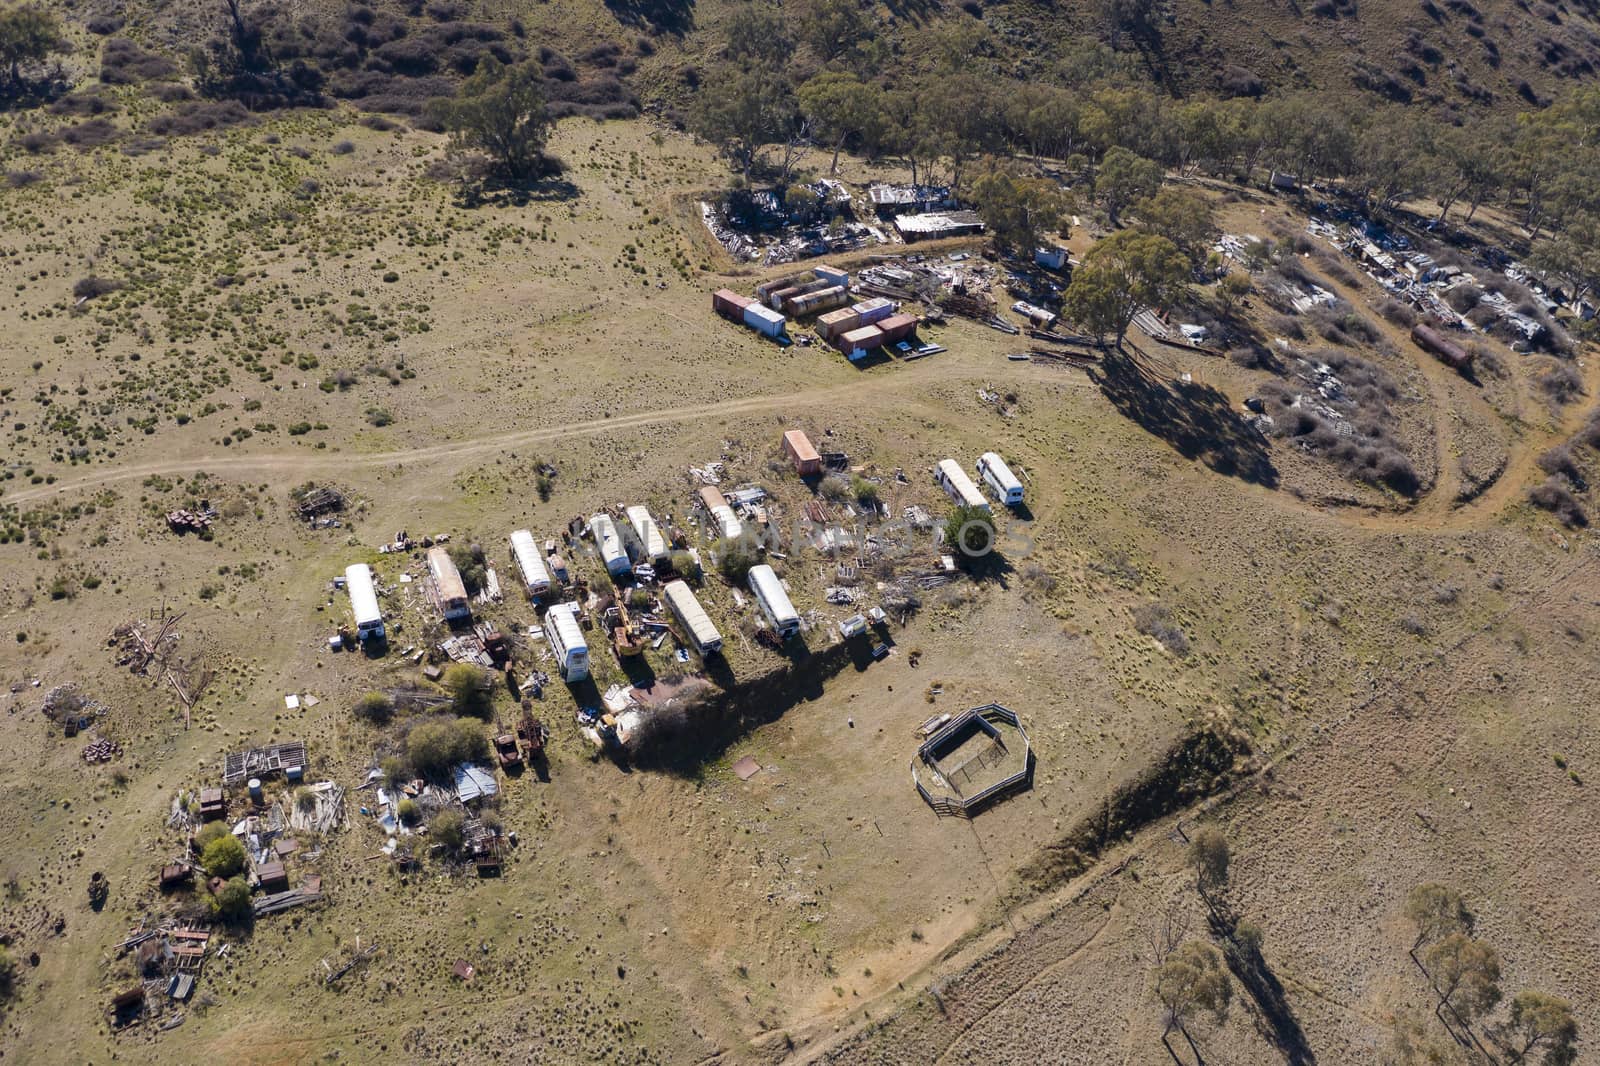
column 681, row 601
column 725, row 522
column 448, row 587
column 958, row 486
column 609, row 544
column 652, row 546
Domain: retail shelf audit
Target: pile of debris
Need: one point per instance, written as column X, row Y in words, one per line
column 286, row 758
column 318, row 501
column 757, row 225
column 315, row 808
column 185, row 521
column 274, row 903
column 101, row 750
column 71, row 709
column 137, row 649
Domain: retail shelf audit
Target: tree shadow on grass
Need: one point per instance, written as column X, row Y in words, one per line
column 1273, row 1016
column 660, row 16
column 1197, row 420
column 503, row 194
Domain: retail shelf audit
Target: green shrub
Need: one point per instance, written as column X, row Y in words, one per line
column 210, row 832
column 969, row 533
column 686, row 565
column 433, row 747
column 232, row 901
column 374, row 707
column 395, row 771
column 223, row 857
column 470, row 690
column 446, row 830
column 834, row 487
column 408, row 811
column 736, row 557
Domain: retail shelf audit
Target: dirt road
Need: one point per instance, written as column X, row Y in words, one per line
column 299, row 461
column 1436, row 511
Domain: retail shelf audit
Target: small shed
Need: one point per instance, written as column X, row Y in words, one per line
column 797, row 446
column 273, row 877
column 1050, row 256
column 127, row 1007
column 212, row 805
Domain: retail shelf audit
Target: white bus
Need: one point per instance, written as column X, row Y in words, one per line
column 1000, row 478
column 566, row 640
column 364, row 601
column 774, row 602
column 681, row 601
column 609, row 545
column 535, row 578
column 958, row 486
column 648, row 534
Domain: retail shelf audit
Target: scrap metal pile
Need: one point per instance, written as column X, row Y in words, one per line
column 956, row 284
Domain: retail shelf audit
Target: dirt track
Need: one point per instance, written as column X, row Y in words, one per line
column 1433, row 512
column 300, row 461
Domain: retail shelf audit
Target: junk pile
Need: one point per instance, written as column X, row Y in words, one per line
column 317, row 808
column 758, row 225
column 317, row 502
column 185, row 521
column 137, row 647
column 101, row 750
column 72, row 710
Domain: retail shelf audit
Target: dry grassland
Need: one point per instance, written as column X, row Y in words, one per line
column 653, row 916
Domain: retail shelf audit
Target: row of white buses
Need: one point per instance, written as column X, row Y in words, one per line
column 995, row 473
column 561, row 620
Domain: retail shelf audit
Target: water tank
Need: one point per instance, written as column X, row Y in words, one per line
column 255, row 790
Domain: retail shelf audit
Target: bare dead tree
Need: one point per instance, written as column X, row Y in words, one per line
column 1169, row 929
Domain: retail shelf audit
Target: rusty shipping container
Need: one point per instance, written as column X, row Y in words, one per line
column 729, row 304
column 830, row 325
column 858, row 342
column 1442, row 348
column 898, row 327
column 800, row 451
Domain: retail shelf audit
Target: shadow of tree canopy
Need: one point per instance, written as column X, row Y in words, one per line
column 662, row 16
column 1197, row 420
column 505, row 194
column 1273, row 1016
